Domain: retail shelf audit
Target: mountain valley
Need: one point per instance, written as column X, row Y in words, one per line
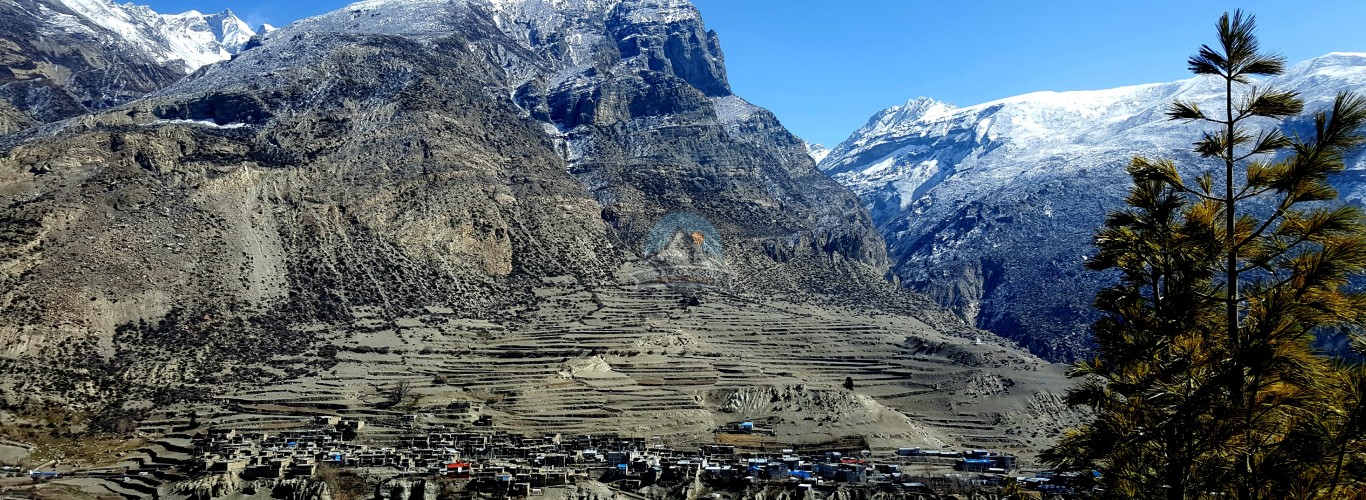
column 554, row 210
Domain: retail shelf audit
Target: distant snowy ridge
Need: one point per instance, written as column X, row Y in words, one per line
column 231, row 32
column 1047, row 124
column 553, row 41
column 991, row 207
column 193, row 38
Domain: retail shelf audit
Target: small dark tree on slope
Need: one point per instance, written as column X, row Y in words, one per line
column 399, row 393
column 1205, row 380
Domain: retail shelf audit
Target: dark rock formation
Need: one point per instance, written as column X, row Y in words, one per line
column 667, row 36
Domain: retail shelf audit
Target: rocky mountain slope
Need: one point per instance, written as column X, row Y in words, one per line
column 400, row 155
column 990, row 208
column 63, row 58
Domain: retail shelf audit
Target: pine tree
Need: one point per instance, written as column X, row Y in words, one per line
column 1205, row 380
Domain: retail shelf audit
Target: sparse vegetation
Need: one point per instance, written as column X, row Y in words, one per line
column 76, row 437
column 401, row 394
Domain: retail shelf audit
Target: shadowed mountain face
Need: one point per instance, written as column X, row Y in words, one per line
column 990, row 208
column 393, row 156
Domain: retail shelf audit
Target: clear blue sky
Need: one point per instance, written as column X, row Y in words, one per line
column 825, row 66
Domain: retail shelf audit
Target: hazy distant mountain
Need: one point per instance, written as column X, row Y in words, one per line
column 991, row 208
column 817, row 152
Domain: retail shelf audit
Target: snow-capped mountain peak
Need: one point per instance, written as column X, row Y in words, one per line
column 230, row 31
column 888, row 121
column 193, row 38
column 920, row 108
column 817, row 152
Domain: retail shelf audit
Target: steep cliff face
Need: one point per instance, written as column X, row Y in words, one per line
column 990, row 208
column 659, row 132
column 667, row 37
column 388, row 157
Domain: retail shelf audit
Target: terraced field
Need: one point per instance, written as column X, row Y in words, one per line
column 643, row 360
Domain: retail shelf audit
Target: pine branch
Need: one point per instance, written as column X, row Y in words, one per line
column 1189, row 111
column 1271, row 103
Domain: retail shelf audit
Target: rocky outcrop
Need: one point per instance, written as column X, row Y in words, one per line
column 837, row 493
column 41, row 100
column 667, row 37
column 225, row 485
column 12, row 119
column 408, row 489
